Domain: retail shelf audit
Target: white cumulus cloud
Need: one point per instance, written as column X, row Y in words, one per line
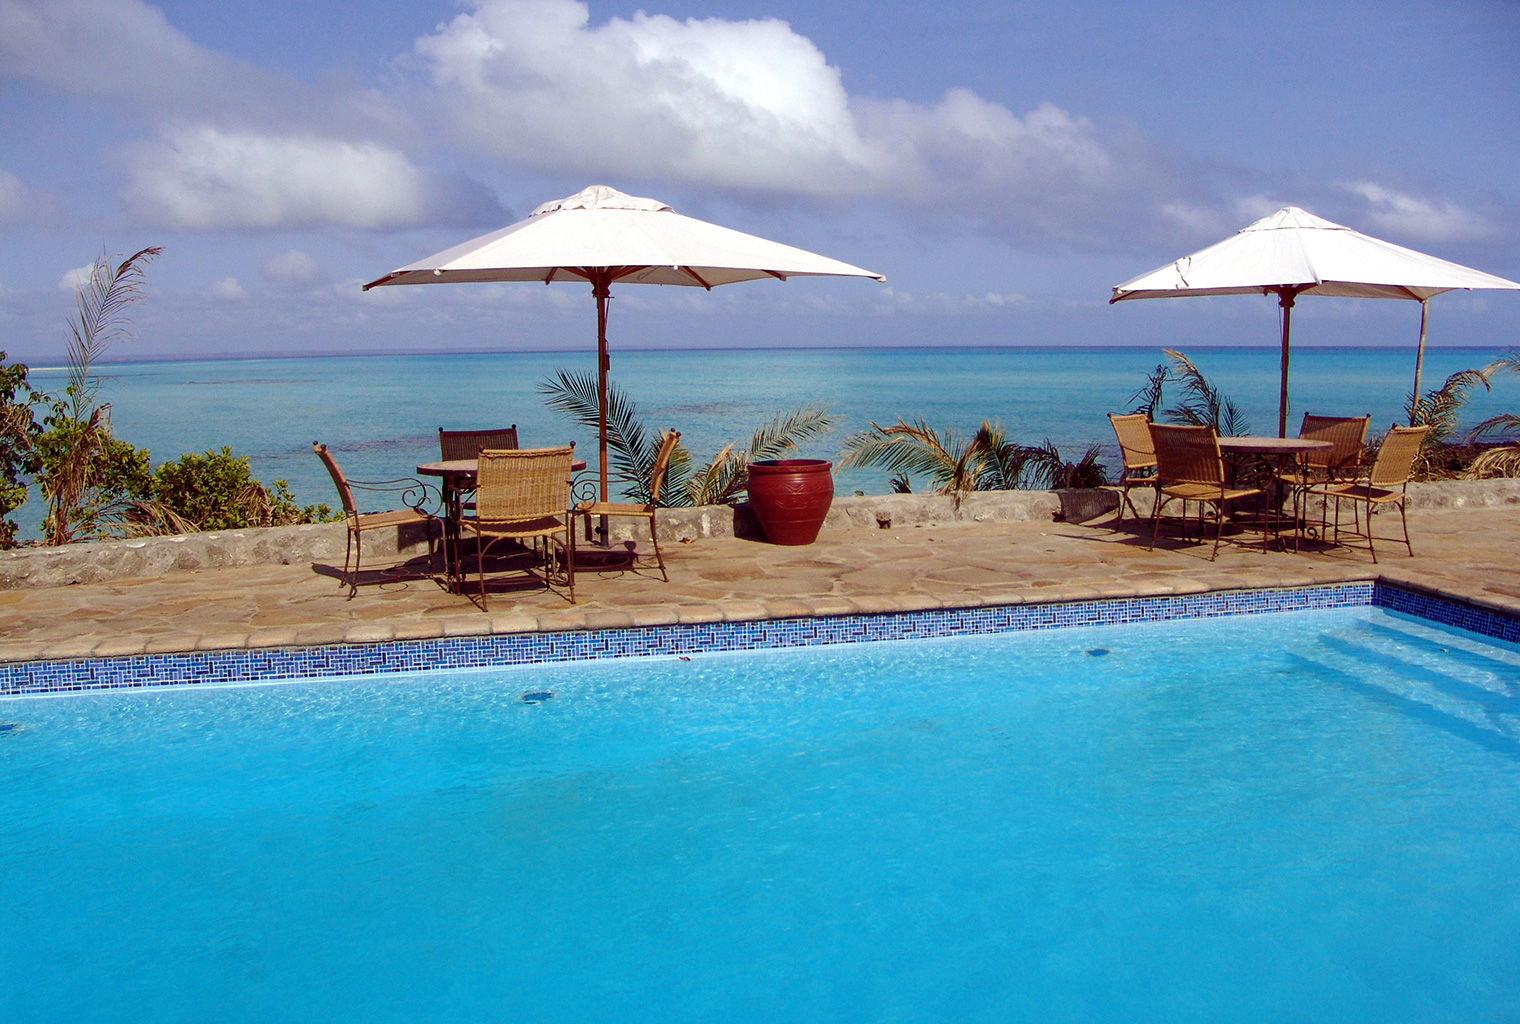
column 208, row 178
column 125, row 51
column 754, row 106
column 14, row 196
column 73, row 280
column 20, row 203
column 227, row 129
column 745, row 104
column 228, row 290
column 293, row 267
column 1416, row 217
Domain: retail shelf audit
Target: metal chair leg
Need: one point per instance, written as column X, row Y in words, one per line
column 659, row 558
column 1156, row 521
column 353, row 583
column 348, row 548
column 480, row 568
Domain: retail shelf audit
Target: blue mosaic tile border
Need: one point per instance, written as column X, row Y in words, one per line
column 1448, row 612
column 285, row 663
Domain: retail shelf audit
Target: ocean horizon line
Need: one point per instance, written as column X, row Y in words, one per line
column 409, row 353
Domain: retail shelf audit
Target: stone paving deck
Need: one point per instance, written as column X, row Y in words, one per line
column 1473, row 554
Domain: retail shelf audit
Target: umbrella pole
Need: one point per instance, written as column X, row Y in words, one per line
column 1419, row 362
column 601, row 290
column 1285, row 300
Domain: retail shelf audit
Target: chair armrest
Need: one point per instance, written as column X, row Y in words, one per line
column 414, row 494
column 584, row 486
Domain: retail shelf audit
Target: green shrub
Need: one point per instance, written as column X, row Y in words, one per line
column 18, row 453
column 217, row 491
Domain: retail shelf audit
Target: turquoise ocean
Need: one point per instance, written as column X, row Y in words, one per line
column 381, row 413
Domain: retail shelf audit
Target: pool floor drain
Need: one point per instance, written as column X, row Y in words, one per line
column 535, row 696
column 1097, row 652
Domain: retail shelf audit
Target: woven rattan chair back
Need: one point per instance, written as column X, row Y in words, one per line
column 523, row 484
column 1135, row 445
column 1345, row 434
column 1187, row 455
column 345, row 492
column 662, row 465
column 468, row 444
column 1395, row 458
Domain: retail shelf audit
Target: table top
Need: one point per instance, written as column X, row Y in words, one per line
column 1271, row 445
column 469, row 467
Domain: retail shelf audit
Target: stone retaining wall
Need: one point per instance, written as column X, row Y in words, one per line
column 324, row 543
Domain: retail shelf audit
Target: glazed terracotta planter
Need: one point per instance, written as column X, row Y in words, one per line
column 790, row 497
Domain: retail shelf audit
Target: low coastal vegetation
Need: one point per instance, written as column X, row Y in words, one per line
column 955, row 464
column 95, row 484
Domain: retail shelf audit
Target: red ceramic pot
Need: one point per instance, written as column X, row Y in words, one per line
column 790, row 497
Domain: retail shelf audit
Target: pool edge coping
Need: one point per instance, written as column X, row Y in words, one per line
column 239, row 666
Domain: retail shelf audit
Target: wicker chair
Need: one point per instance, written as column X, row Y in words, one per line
column 1139, row 454
column 1337, row 464
column 524, row 495
column 1189, row 467
column 590, row 509
column 1386, row 483
column 459, row 445
column 468, row 444
column 414, row 493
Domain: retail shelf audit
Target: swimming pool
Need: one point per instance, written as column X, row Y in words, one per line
column 1304, row 815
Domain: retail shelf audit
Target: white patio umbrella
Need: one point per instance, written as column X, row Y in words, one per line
column 602, row 236
column 1293, row 253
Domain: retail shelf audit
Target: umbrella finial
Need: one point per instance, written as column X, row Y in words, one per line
column 602, row 197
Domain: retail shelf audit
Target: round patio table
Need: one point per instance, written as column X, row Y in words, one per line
column 1277, row 451
column 1278, row 446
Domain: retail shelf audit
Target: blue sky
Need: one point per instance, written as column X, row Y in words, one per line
column 1003, row 164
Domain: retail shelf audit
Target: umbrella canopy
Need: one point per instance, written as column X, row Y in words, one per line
column 602, row 236
column 1293, row 253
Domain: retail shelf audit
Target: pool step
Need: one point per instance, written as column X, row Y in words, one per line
column 1431, row 670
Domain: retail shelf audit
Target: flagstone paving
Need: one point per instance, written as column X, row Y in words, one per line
column 1469, row 553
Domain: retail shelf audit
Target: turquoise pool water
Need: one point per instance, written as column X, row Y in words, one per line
column 1304, row 816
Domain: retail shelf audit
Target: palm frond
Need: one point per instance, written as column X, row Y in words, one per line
column 101, row 320
column 1001, row 464
column 1147, row 398
column 786, row 430
column 1509, row 362
column 146, row 518
column 1087, row 471
column 722, row 480
column 903, row 447
column 1440, row 409
column 1496, row 462
column 725, row 478
column 1203, row 404
column 1504, row 423
column 673, row 492
column 73, row 450
column 630, row 450
column 953, row 463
